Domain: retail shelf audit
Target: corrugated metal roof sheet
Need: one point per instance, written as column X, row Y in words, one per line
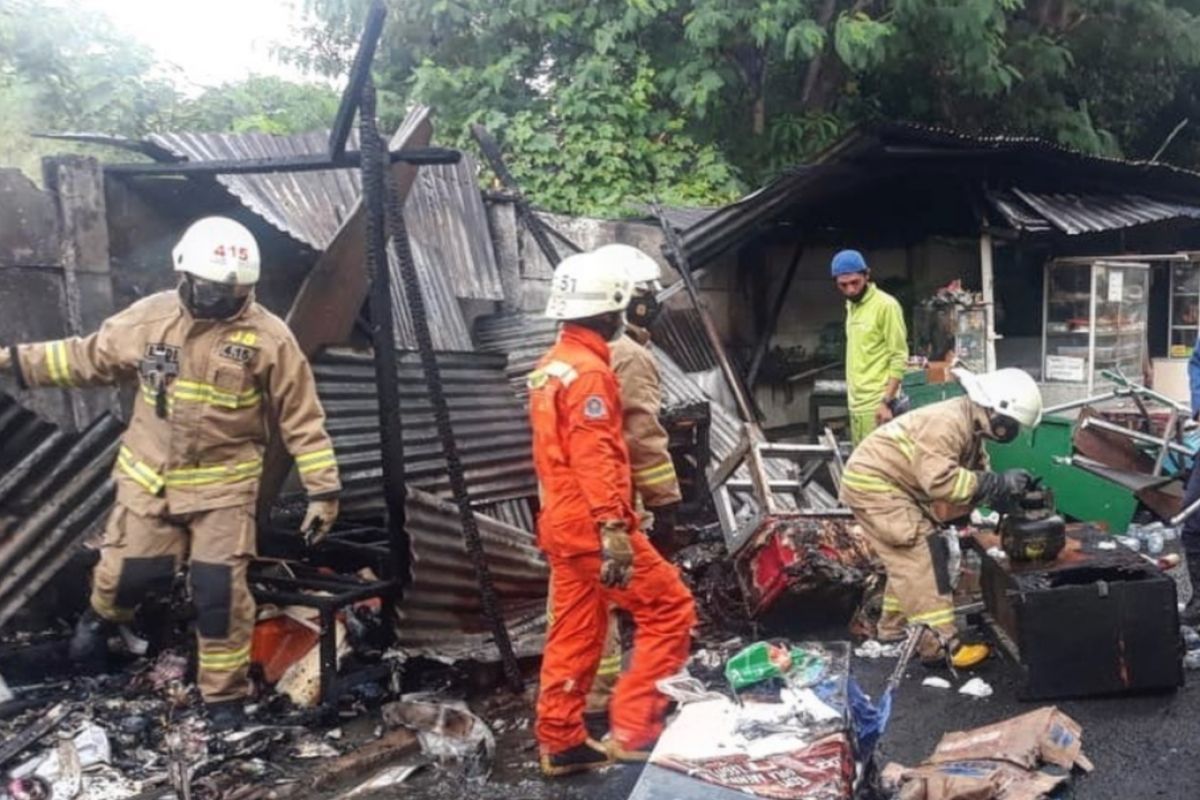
column 883, row 148
column 490, row 427
column 441, row 606
column 55, row 490
column 308, row 206
column 680, row 332
column 524, row 338
column 445, row 215
column 1074, row 214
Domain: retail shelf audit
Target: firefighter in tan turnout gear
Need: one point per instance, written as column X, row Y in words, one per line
column 654, row 481
column 211, row 365
column 934, row 456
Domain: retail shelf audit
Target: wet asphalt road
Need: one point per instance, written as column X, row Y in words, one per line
column 1145, row 746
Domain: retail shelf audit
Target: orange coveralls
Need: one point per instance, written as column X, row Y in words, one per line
column 582, row 463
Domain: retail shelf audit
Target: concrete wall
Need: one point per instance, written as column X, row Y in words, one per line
column 524, row 271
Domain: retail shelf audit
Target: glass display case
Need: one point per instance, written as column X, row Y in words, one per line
column 1185, row 309
column 1094, row 318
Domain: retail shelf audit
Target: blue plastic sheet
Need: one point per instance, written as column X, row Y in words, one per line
column 869, row 718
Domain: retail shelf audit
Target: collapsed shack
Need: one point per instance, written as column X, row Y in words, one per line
column 368, row 615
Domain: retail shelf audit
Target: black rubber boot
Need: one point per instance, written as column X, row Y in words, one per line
column 580, row 758
column 89, row 643
column 228, row 715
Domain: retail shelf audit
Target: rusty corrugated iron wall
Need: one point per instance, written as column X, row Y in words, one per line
column 441, row 607
column 490, row 425
column 55, row 491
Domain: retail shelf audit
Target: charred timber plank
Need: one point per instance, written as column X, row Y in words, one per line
column 304, row 163
column 32, row 734
column 359, row 73
column 389, row 747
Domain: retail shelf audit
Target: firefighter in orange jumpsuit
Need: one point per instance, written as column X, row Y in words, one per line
column 589, row 531
column 656, row 487
column 210, row 364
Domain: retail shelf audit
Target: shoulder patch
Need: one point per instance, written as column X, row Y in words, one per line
column 594, row 407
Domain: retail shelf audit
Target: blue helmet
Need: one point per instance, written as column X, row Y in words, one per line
column 846, row 262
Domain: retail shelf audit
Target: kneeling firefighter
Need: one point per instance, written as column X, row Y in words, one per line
column 211, row 366
column 935, row 455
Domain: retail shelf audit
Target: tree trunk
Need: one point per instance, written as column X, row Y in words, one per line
column 824, row 17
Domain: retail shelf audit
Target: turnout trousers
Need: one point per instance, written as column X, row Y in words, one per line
column 663, row 616
column 141, row 555
column 897, row 529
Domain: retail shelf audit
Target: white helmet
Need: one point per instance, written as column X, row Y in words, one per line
column 220, row 250
column 1011, row 392
column 588, row 284
column 642, row 268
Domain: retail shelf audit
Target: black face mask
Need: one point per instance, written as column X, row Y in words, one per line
column 209, row 300
column 643, row 309
column 1004, row 428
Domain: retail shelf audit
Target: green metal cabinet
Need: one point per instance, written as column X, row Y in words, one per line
column 1078, row 494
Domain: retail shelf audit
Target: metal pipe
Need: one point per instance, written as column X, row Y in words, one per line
column 1119, row 378
column 1087, row 401
column 1092, row 422
column 1179, row 518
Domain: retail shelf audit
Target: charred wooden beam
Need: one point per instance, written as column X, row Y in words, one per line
column 359, row 73
column 304, row 163
column 537, row 229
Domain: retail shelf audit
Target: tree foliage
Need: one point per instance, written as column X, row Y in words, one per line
column 68, row 69
column 602, row 102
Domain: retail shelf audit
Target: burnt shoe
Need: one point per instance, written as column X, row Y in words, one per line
column 580, row 758
column 227, row 715
column 88, row 650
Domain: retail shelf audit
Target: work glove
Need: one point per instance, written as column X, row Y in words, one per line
column 616, row 554
column 1002, row 491
column 318, row 520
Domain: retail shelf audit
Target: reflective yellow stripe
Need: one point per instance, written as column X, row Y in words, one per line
column 561, row 370
column 143, row 475
column 151, row 397
column 203, row 476
column 317, row 459
column 207, row 393
column 652, row 476
column 891, row 603
column 609, row 666
column 942, row 616
column 963, row 489
column 228, row 661
column 867, row 483
column 903, row 441
column 57, row 364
